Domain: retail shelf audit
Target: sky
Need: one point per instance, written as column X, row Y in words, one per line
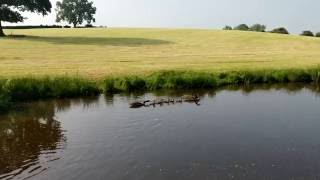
column 296, row 15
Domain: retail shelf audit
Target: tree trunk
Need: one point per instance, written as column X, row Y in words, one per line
column 74, row 25
column 1, row 30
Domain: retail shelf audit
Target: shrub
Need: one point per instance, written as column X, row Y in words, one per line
column 317, row 34
column 242, row 27
column 258, row 28
column 32, row 27
column 307, row 33
column 280, row 30
column 89, row 26
column 227, row 28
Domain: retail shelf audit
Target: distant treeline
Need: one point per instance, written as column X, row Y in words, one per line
column 45, row 27
column 35, row 27
column 262, row 28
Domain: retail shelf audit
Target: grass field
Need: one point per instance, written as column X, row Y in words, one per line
column 99, row 53
column 63, row 63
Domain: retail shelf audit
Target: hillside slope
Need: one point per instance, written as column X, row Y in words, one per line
column 97, row 53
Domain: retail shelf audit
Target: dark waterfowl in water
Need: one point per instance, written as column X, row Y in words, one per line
column 138, row 104
column 186, row 98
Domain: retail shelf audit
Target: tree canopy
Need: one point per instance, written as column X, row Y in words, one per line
column 258, row 28
column 75, row 11
column 227, row 28
column 307, row 33
column 242, row 27
column 9, row 9
column 280, row 30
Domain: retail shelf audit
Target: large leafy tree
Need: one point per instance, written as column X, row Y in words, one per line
column 10, row 10
column 76, row 11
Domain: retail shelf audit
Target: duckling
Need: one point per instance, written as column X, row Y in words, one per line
column 167, row 101
column 197, row 103
column 147, row 101
column 153, row 103
column 190, row 98
column 171, row 101
column 159, row 101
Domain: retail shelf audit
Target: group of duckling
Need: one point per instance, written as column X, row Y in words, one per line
column 186, row 98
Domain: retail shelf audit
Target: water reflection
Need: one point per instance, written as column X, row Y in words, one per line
column 289, row 88
column 229, row 135
column 32, row 137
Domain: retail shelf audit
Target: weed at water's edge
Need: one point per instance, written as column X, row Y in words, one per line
column 30, row 88
column 207, row 80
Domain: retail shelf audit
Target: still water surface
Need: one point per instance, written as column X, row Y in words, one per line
column 252, row 133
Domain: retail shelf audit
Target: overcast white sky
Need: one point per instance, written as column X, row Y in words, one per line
column 296, row 15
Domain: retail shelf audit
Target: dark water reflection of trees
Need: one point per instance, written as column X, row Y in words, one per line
column 32, row 131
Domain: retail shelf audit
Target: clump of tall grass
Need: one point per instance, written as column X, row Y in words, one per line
column 161, row 80
column 25, row 89
column 180, row 80
column 22, row 89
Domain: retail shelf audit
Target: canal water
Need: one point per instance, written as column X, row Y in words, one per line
column 263, row 132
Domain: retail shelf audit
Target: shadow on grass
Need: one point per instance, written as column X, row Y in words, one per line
column 103, row 41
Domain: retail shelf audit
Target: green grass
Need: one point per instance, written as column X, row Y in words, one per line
column 64, row 63
column 30, row 88
column 98, row 53
column 198, row 80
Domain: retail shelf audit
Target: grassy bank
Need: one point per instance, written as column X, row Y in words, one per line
column 97, row 53
column 26, row 89
column 206, row 80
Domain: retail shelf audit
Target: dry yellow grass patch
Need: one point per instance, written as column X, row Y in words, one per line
column 96, row 53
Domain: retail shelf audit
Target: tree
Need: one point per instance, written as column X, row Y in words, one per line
column 307, row 33
column 280, row 30
column 258, row 28
column 242, row 27
column 75, row 11
column 317, row 34
column 9, row 10
column 227, row 28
